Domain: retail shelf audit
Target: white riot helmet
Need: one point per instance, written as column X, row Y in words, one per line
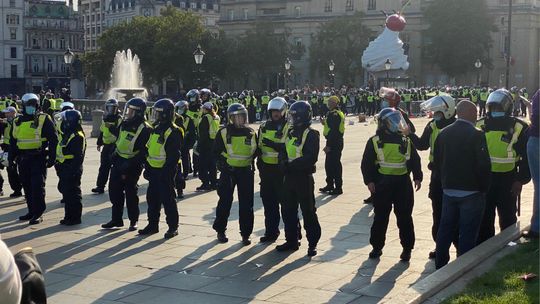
column 442, row 103
column 278, row 104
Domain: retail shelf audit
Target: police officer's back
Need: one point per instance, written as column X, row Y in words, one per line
column 108, row 134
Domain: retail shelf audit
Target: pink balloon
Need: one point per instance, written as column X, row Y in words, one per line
column 396, row 23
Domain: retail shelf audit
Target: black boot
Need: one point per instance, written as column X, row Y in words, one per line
column 149, row 229
column 336, row 191
column 222, row 238
column 312, row 251
column 132, row 225
column 171, row 233
column 25, row 217
column 375, row 253
column 326, row 189
column 112, row 224
column 268, row 238
column 35, row 220
column 287, row 246
column 246, row 241
column 405, row 255
column 98, row 190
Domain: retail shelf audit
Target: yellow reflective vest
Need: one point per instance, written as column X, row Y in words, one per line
column 268, row 154
column 60, row 156
column 28, row 134
column 390, row 160
column 239, row 150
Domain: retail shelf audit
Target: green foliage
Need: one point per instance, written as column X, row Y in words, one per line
column 342, row 40
column 502, row 284
column 458, row 34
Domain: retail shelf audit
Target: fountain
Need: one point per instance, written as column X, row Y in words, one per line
column 126, row 77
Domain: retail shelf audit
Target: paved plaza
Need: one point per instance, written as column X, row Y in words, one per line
column 85, row 264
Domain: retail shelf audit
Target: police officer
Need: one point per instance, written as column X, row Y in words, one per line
column 194, row 113
column 33, row 147
column 13, row 175
column 506, row 138
column 235, row 147
column 265, row 100
column 484, row 94
column 272, row 137
column 207, row 130
column 162, row 156
column 302, row 148
column 69, row 165
column 105, row 142
column 182, row 121
column 444, row 114
column 127, row 163
column 334, row 128
column 388, row 159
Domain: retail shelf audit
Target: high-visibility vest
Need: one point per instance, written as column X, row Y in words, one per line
column 502, row 154
column 213, row 125
column 326, row 128
column 27, row 135
column 7, row 132
column 434, row 133
column 390, row 160
column 155, row 145
column 269, row 155
column 294, row 147
column 265, row 99
column 4, row 104
column 107, row 136
column 370, row 98
column 325, row 100
column 314, row 100
column 125, row 144
column 60, row 156
column 484, row 96
column 239, row 150
column 195, row 116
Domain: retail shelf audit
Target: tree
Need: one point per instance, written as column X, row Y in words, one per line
column 458, row 34
column 342, row 40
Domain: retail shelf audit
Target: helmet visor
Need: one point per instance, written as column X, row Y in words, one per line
column 496, row 97
column 395, row 122
column 238, row 119
column 111, row 109
column 434, row 104
column 130, row 112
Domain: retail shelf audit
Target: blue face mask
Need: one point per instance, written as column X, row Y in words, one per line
column 385, row 104
column 497, row 114
column 30, row 110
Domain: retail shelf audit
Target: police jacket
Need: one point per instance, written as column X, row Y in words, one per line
column 370, row 169
column 190, row 133
column 204, row 143
column 75, row 147
column 304, row 164
column 172, row 148
column 48, row 147
column 114, row 129
column 219, row 146
column 135, row 163
column 334, row 138
column 424, row 142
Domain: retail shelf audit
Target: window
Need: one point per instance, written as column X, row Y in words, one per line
column 182, row 4
column 13, row 52
column 372, row 5
column 193, row 5
column 297, row 11
column 231, row 14
column 11, row 3
column 49, row 43
column 203, row 6
column 35, row 65
column 49, row 65
column 270, row 11
column 12, row 19
column 98, row 30
column 13, row 71
column 328, row 6
column 349, row 6
column 215, row 7
column 246, row 13
column 35, row 43
column 13, row 33
column 62, row 43
column 92, row 18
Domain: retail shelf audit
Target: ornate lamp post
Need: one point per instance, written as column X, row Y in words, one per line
column 387, row 67
column 478, row 66
column 287, row 68
column 331, row 67
column 198, row 54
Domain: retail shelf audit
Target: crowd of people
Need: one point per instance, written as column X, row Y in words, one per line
column 478, row 166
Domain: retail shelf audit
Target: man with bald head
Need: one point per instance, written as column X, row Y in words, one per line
column 462, row 161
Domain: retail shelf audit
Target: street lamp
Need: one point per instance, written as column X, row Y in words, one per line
column 287, row 68
column 478, row 66
column 331, row 67
column 387, row 67
column 198, row 54
column 68, row 56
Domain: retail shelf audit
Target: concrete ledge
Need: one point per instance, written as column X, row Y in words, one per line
column 443, row 277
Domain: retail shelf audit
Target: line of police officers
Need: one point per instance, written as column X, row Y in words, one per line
column 286, row 152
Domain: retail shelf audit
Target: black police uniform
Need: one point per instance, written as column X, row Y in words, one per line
column 179, row 181
column 125, row 190
column 334, row 141
column 207, row 161
column 33, row 165
column 435, row 187
column 161, row 187
column 396, row 190
column 190, row 137
column 107, row 151
column 299, row 189
column 12, row 172
column 69, row 173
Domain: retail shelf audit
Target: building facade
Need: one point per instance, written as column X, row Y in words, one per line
column 50, row 27
column 12, row 47
column 303, row 19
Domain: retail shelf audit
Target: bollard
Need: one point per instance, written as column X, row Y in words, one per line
column 97, row 118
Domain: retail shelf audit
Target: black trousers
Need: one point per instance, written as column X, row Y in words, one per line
column 179, row 181
column 228, row 180
column 333, row 167
column 207, row 167
column 499, row 197
column 299, row 190
column 436, row 195
column 400, row 195
column 104, row 165
column 272, row 196
column 124, row 191
column 13, row 179
column 69, row 184
column 33, row 173
column 161, row 192
column 481, row 108
column 186, row 161
column 372, row 108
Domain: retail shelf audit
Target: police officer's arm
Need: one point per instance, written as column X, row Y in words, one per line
column 310, row 154
column 408, row 121
column 140, row 145
column 422, row 143
column 368, row 166
column 218, row 146
column 523, row 170
column 75, row 148
column 172, row 150
column 49, row 132
column 191, row 135
column 100, row 139
column 333, row 138
column 204, row 134
column 415, row 165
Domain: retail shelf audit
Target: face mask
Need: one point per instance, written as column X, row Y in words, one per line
column 30, row 110
column 437, row 117
column 497, row 114
column 385, row 104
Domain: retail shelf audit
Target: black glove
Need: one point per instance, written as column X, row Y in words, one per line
column 51, row 162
